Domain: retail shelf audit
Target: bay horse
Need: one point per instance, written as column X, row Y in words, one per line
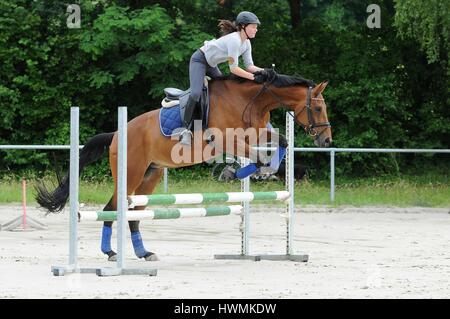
column 234, row 103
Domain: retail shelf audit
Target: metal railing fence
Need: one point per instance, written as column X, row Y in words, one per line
column 333, row 151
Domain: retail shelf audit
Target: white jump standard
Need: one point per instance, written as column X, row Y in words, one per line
column 122, row 208
column 289, row 209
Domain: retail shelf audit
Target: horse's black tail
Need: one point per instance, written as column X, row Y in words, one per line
column 93, row 150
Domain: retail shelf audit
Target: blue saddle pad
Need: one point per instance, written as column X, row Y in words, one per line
column 169, row 120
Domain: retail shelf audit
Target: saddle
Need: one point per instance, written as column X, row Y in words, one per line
column 176, row 97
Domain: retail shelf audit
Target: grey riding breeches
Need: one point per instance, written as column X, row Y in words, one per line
column 198, row 68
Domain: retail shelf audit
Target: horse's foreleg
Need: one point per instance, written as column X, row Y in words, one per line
column 151, row 179
column 277, row 138
column 243, row 149
column 279, row 141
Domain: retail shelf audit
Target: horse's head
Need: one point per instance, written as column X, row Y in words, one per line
column 304, row 98
column 300, row 95
column 311, row 114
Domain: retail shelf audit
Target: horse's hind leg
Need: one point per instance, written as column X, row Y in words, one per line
column 135, row 174
column 106, row 235
column 151, row 179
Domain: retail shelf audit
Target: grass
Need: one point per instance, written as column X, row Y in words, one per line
column 426, row 191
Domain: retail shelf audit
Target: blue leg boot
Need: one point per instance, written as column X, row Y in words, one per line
column 246, row 171
column 139, row 249
column 106, row 243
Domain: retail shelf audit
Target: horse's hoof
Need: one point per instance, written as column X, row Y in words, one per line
column 112, row 256
column 151, row 257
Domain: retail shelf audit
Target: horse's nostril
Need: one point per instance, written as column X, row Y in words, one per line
column 327, row 141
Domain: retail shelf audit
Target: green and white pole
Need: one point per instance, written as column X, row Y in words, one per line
column 166, row 213
column 204, row 198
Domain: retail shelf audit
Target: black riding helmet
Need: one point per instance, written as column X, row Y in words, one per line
column 246, row 17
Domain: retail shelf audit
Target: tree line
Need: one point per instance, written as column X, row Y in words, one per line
column 388, row 86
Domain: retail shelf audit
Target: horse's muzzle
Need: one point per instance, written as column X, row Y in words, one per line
column 323, row 142
column 327, row 142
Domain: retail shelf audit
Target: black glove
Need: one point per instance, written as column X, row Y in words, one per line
column 265, row 75
column 271, row 74
column 260, row 76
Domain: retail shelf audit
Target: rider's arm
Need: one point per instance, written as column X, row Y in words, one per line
column 233, row 61
column 253, row 69
column 248, row 59
column 242, row 73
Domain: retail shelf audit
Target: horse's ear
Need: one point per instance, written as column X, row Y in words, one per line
column 319, row 88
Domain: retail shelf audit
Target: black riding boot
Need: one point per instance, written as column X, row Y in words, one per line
column 186, row 135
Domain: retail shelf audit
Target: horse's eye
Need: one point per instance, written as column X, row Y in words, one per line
column 318, row 109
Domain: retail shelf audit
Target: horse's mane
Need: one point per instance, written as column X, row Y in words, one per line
column 281, row 80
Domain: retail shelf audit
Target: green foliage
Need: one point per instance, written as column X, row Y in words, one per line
column 428, row 22
column 40, row 78
column 143, row 48
column 385, row 90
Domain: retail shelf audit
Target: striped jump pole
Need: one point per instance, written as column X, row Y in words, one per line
column 162, row 213
column 203, row 198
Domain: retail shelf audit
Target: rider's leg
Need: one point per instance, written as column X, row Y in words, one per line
column 197, row 71
column 186, row 134
column 213, row 72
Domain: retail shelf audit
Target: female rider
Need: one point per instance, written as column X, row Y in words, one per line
column 234, row 42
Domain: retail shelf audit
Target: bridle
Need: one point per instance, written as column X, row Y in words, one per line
column 309, row 128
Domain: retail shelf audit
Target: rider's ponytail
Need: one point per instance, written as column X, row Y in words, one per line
column 226, row 27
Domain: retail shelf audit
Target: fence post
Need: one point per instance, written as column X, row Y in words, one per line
column 122, row 203
column 332, row 154
column 74, row 184
column 245, row 237
column 166, row 187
